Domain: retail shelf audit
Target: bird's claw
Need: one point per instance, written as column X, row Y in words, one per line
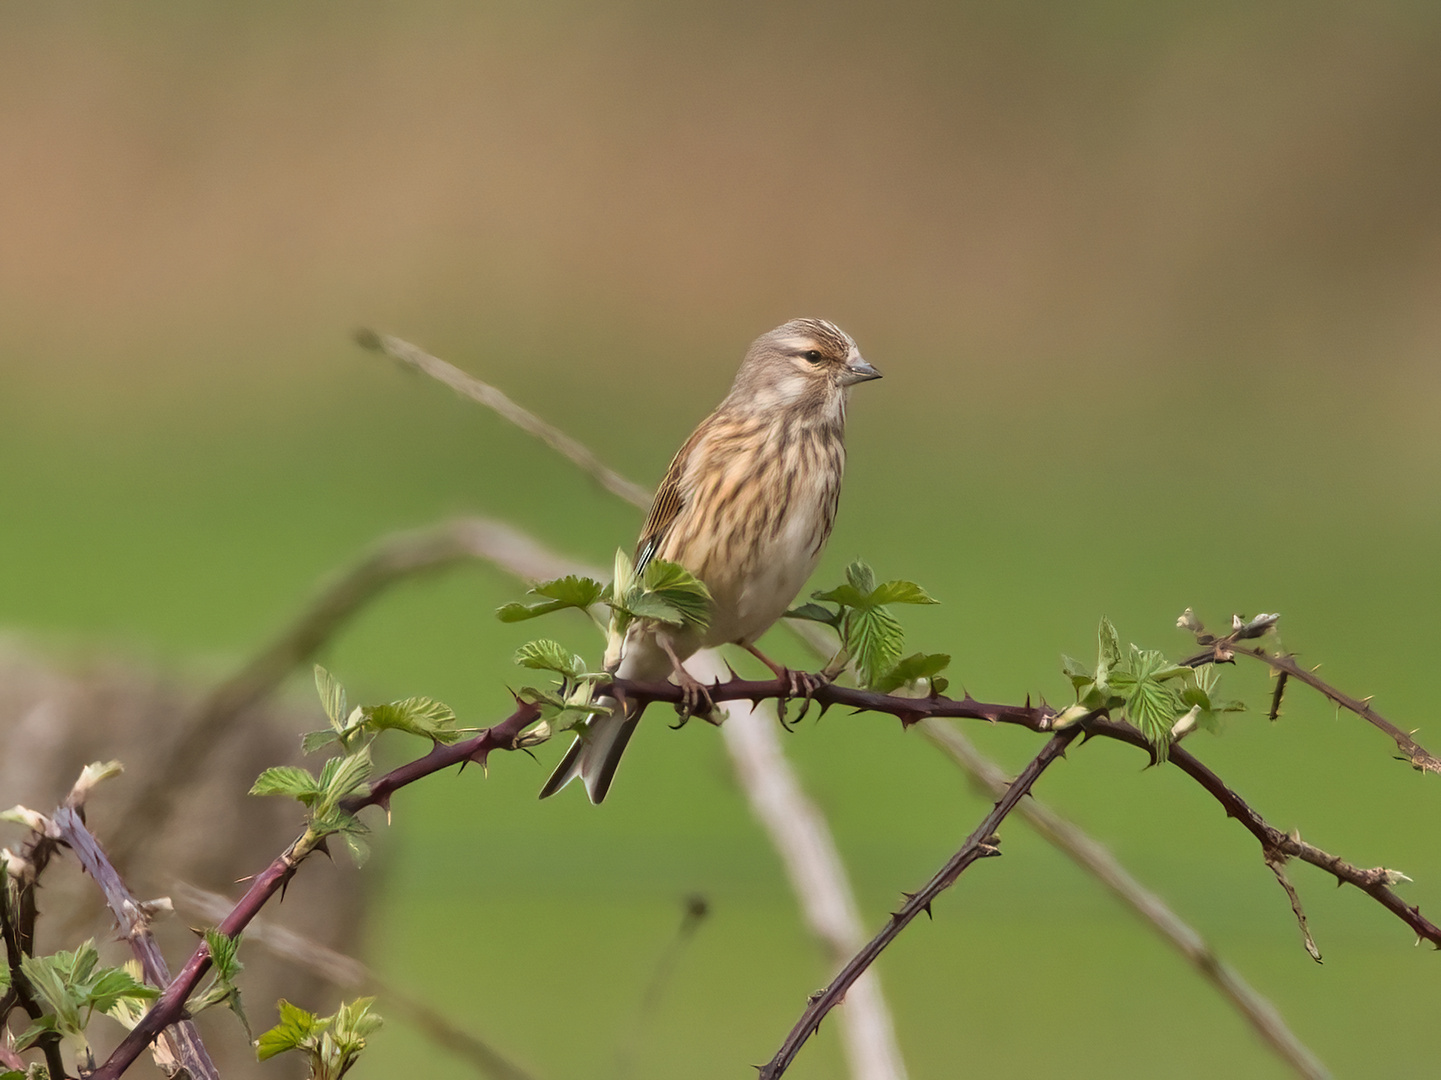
column 695, row 700
column 799, row 684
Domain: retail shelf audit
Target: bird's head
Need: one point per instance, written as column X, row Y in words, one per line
column 805, row 363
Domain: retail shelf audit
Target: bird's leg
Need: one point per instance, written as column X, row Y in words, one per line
column 801, row 684
column 695, row 698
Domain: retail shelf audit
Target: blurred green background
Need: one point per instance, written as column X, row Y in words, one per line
column 1154, row 288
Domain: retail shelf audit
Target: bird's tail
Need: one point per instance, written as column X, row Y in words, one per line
column 594, row 755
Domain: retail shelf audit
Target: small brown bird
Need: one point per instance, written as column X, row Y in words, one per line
column 746, row 506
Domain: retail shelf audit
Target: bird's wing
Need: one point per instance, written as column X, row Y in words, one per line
column 669, row 498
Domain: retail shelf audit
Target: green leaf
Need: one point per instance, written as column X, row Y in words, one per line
column 547, row 655
column 679, row 588
column 901, row 592
column 38, row 1029
column 1108, row 651
column 357, row 847
column 421, row 716
column 845, row 595
column 643, row 605
column 332, row 696
column 874, row 638
column 1154, row 709
column 51, row 978
column 296, row 1028
column 861, row 577
column 287, row 780
column 224, row 952
column 815, row 613
column 912, row 669
column 344, row 776
column 1077, row 672
column 312, row 741
column 567, row 592
column 571, row 590
column 114, row 984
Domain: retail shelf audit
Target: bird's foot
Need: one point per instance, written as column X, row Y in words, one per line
column 799, row 684
column 695, row 700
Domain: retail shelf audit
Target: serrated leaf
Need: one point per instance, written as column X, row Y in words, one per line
column 296, row 1027
column 421, row 716
column 911, row 669
column 901, row 592
column 815, row 613
column 1108, row 651
column 332, row 696
column 113, row 984
column 874, row 639
column 224, row 952
column 287, row 780
column 51, row 984
column 846, row 595
column 547, row 655
column 570, row 591
column 312, row 741
column 679, row 588
column 1153, row 709
column 650, row 606
column 345, row 776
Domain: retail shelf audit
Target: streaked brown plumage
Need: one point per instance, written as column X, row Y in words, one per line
column 746, row 506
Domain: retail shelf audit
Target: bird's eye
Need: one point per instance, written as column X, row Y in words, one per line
column 813, row 355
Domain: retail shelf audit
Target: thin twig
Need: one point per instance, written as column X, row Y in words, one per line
column 1420, row 758
column 270, row 881
column 1098, row 861
column 134, row 926
column 980, row 844
column 1222, row 650
column 350, row 974
column 483, row 393
column 1375, row 882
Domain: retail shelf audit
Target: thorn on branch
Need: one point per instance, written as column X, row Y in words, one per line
column 1276, row 696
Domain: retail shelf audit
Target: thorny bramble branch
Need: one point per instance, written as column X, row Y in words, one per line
column 134, row 923
column 505, row 735
column 981, row 844
column 170, row 1006
column 1223, row 650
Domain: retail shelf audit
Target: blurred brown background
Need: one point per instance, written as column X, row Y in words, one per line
column 1154, row 287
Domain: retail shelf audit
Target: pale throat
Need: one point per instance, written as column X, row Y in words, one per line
column 792, row 389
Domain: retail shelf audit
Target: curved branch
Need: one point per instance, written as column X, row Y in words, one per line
column 1098, row 861
column 1420, row 758
column 170, row 1006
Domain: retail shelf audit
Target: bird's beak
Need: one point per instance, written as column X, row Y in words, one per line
column 858, row 371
